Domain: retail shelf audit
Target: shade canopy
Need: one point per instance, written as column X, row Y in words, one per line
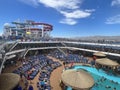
column 8, row 81
column 99, row 54
column 77, row 79
column 107, row 62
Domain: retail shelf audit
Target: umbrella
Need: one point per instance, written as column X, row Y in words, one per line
column 99, row 54
column 77, row 79
column 9, row 81
column 107, row 62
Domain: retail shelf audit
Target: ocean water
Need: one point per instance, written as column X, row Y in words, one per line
column 103, row 80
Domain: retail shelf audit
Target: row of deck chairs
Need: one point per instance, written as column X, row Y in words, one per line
column 38, row 64
column 69, row 57
column 33, row 65
column 45, row 74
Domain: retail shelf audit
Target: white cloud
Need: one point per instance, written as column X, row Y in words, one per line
column 31, row 2
column 75, row 14
column 61, row 4
column 68, row 21
column 89, row 10
column 115, row 2
column 70, row 17
column 70, row 9
column 113, row 20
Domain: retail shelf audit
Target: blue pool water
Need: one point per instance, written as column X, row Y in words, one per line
column 101, row 78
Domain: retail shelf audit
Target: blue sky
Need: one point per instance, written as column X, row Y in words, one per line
column 70, row 18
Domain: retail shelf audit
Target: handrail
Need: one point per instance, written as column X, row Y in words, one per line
column 1, row 67
column 61, row 51
column 13, row 46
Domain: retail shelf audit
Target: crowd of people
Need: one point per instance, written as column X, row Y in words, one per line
column 104, row 48
column 69, row 57
column 44, row 66
column 38, row 64
column 102, row 82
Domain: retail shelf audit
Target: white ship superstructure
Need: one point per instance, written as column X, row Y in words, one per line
column 28, row 29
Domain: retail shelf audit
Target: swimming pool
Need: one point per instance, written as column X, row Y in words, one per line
column 103, row 81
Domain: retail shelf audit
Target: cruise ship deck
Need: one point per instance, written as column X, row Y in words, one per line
column 39, row 61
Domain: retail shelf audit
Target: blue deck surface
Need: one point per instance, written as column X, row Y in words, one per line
column 103, row 80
